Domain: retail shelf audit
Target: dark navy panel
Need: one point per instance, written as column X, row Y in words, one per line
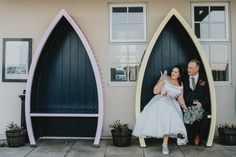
column 174, row 46
column 64, row 80
column 72, row 127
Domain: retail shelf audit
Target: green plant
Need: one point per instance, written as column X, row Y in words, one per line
column 121, row 134
column 13, row 127
column 118, row 127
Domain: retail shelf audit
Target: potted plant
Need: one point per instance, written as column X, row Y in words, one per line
column 15, row 135
column 227, row 133
column 121, row 134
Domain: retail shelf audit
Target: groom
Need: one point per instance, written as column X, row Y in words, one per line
column 196, row 89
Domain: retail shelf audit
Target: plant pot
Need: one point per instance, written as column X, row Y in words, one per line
column 227, row 137
column 16, row 138
column 122, row 139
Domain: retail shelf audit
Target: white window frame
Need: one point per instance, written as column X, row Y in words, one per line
column 128, row 82
column 194, row 4
column 125, row 42
column 225, row 41
column 144, row 20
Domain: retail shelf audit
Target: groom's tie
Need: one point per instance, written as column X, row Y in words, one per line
column 193, row 83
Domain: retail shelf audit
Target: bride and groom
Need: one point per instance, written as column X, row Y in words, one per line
column 162, row 117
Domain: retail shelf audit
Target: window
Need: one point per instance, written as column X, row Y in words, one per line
column 128, row 23
column 127, row 41
column 210, row 23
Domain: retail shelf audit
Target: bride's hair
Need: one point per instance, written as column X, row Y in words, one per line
column 180, row 78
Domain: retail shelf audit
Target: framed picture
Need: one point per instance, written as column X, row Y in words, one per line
column 17, row 53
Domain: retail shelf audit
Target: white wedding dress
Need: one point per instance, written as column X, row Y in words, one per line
column 162, row 115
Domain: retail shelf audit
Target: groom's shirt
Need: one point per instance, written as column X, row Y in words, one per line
column 195, row 80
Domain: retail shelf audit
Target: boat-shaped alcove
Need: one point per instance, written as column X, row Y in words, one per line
column 173, row 43
column 64, row 96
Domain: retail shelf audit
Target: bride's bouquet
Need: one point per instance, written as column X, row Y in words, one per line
column 193, row 114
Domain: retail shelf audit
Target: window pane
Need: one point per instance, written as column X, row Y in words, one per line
column 135, row 31
column 197, row 30
column 133, row 72
column 119, row 31
column 221, row 75
column 119, row 18
column 136, row 52
column 118, row 54
column 206, row 49
column 119, row 72
column 124, row 61
column 135, row 18
column 135, row 9
column 201, row 13
column 119, row 9
column 127, row 24
column 217, row 31
column 219, row 62
column 217, row 14
column 204, row 31
column 219, row 53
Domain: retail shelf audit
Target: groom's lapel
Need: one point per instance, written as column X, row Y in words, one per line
column 188, row 83
column 197, row 83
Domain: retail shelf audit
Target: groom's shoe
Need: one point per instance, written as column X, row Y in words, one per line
column 180, row 136
column 197, row 140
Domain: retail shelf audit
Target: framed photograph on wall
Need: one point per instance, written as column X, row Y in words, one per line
column 17, row 53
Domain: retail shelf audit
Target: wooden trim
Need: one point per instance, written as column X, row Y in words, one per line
column 37, row 54
column 174, row 12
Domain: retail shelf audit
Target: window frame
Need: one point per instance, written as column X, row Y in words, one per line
column 114, row 42
column 128, row 82
column 111, row 6
column 195, row 4
column 225, row 41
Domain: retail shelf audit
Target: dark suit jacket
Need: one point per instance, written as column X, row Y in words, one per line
column 201, row 93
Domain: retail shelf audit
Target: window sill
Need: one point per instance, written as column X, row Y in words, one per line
column 223, row 84
column 122, row 84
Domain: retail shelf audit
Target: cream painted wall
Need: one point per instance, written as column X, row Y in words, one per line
column 30, row 19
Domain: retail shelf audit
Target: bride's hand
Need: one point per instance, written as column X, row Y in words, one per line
column 162, row 76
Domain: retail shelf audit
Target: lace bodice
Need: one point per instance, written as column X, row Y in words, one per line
column 171, row 90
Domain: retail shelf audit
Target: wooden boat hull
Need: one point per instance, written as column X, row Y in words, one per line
column 64, row 94
column 173, row 43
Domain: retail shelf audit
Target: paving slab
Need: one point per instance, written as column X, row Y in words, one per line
column 154, row 149
column 199, row 151
column 85, row 148
column 52, row 148
column 131, row 151
column 15, row 151
column 229, row 151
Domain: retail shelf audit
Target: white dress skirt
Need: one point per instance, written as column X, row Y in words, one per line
column 162, row 116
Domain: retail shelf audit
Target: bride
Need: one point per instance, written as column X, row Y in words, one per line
column 162, row 117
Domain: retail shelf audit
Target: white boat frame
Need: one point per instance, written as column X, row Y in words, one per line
column 33, row 66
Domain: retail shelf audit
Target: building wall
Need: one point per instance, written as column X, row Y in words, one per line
column 30, row 19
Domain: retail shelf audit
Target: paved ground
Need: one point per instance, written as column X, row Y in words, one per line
column 85, row 148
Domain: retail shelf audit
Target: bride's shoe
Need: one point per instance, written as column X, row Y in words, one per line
column 165, row 149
